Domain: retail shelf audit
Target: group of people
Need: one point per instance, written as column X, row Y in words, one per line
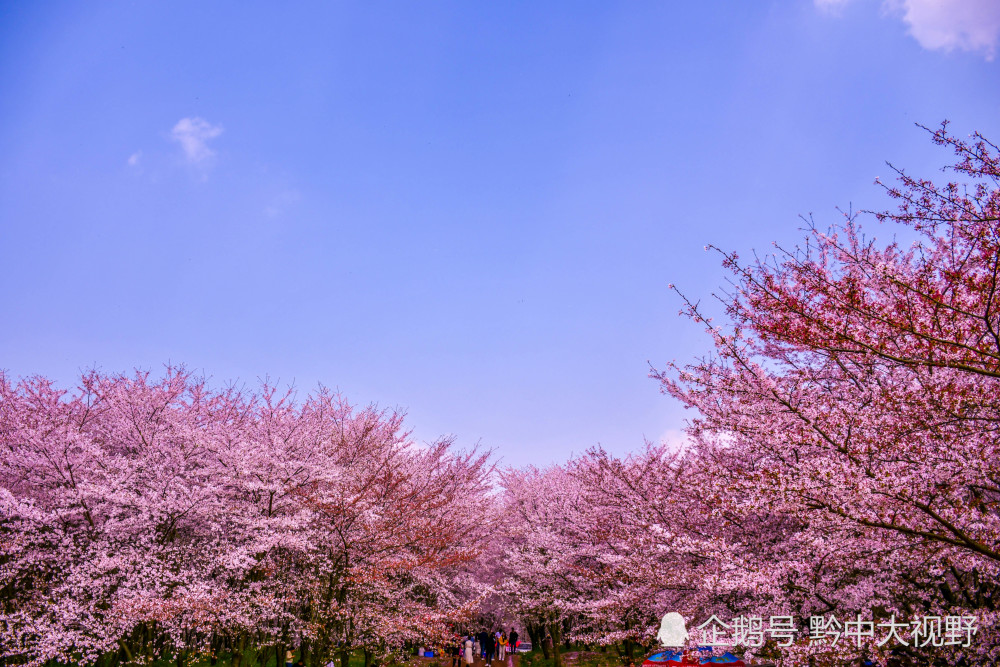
column 486, row 645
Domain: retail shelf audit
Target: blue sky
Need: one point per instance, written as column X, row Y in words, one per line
column 467, row 210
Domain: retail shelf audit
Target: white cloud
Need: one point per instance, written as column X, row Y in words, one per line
column 946, row 25
column 193, row 134
column 133, row 159
column 968, row 25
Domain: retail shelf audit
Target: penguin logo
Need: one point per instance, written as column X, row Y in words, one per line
column 673, row 633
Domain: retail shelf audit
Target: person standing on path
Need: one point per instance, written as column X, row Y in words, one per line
column 468, row 644
column 512, row 640
column 491, row 647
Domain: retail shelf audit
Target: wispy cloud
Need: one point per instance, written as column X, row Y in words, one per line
column 944, row 25
column 830, row 5
column 193, row 134
column 133, row 159
column 281, row 202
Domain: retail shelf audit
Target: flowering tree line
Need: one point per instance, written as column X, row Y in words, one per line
column 843, row 462
column 143, row 519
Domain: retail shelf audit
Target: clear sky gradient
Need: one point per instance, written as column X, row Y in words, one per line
column 467, row 210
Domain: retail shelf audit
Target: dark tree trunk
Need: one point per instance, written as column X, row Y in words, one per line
column 125, row 651
column 555, row 629
column 537, row 635
column 238, row 646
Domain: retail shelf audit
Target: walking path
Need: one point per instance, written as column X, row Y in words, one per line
column 445, row 661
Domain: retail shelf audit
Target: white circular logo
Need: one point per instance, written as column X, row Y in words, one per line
column 673, row 632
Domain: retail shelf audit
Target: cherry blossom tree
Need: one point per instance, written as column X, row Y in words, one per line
column 843, row 461
column 538, row 578
column 144, row 518
column 603, row 546
column 852, row 395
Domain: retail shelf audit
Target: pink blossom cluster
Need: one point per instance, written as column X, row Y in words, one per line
column 843, row 460
column 146, row 518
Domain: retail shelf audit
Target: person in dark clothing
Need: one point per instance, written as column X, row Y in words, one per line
column 491, row 647
column 512, row 641
column 482, row 642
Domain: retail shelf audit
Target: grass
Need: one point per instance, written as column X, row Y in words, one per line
column 250, row 659
column 575, row 658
